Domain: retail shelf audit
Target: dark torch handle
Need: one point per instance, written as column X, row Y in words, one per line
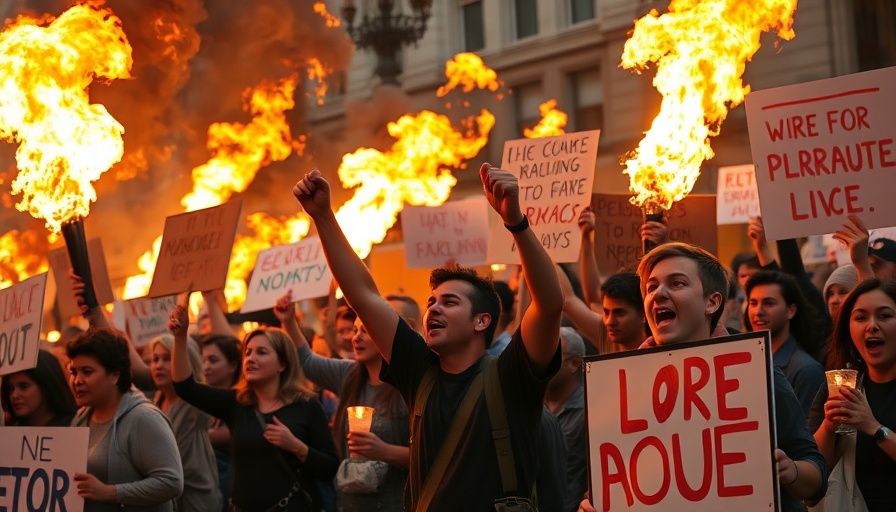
column 655, row 217
column 76, row 243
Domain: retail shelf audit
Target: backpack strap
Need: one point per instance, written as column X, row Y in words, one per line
column 497, row 415
column 449, row 445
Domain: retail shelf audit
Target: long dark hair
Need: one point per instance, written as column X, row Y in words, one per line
column 388, row 401
column 230, row 347
column 53, row 387
column 842, row 352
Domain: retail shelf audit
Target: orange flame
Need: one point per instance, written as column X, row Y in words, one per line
column 66, row 143
column 467, row 71
column 239, row 151
column 415, row 171
column 700, row 48
column 552, row 122
column 317, row 73
column 22, row 255
column 321, row 9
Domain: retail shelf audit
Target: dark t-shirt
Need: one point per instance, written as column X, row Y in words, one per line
column 875, row 470
column 472, row 480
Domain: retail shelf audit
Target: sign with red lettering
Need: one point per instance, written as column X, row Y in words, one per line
column 737, row 198
column 147, row 318
column 454, row 231
column 825, row 150
column 300, row 268
column 683, row 427
column 556, row 175
column 38, row 466
column 195, row 251
column 61, row 265
column 22, row 309
column 617, row 228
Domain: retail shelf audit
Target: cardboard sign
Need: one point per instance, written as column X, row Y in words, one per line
column 61, row 265
column 617, row 228
column 195, row 252
column 737, row 198
column 38, row 466
column 21, row 311
column 825, row 150
column 147, row 318
column 300, row 268
column 457, row 230
column 556, row 176
column 687, row 427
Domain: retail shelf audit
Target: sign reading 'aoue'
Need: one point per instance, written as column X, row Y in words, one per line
column 21, row 310
column 824, row 150
column 686, row 427
column 556, row 175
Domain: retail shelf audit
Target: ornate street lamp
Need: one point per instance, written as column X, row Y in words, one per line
column 385, row 32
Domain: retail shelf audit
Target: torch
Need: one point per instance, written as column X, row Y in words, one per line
column 76, row 244
column 654, row 213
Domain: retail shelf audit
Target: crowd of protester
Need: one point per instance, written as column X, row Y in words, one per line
column 214, row 422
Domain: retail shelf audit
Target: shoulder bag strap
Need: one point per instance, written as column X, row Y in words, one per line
column 423, row 390
column 497, row 415
column 278, row 455
column 452, row 438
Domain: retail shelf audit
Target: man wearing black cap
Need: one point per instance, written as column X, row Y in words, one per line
column 882, row 256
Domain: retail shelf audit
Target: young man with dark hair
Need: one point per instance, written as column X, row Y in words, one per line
column 775, row 302
column 684, row 289
column 623, row 311
column 502, row 336
column 458, row 326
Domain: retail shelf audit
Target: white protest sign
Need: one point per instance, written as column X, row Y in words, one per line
column 556, row 175
column 195, row 250
column 456, row 230
column 737, row 198
column 21, row 312
column 825, row 150
column 687, row 427
column 300, row 268
column 148, row 317
column 38, row 465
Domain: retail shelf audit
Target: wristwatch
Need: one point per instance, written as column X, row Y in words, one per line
column 882, row 434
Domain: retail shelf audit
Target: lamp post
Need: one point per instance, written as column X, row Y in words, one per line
column 385, row 33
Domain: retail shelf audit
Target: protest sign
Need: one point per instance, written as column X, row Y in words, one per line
column 737, row 198
column 617, row 228
column 148, row 317
column 38, row 466
column 683, row 427
column 61, row 265
column 195, row 251
column 300, row 268
column 457, row 230
column 22, row 308
column 556, row 175
column 825, row 150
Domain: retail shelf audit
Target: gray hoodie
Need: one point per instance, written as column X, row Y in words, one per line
column 144, row 463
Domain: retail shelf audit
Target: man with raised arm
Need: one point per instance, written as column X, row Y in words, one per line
column 458, row 324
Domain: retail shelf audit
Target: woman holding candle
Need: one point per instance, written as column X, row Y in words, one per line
column 280, row 440
column 864, row 338
column 358, row 383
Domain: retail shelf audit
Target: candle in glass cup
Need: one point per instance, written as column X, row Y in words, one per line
column 359, row 418
column 836, row 379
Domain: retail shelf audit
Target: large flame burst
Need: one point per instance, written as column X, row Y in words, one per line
column 22, row 255
column 700, row 48
column 65, row 142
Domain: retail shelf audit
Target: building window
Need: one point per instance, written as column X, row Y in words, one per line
column 526, row 18
column 582, row 10
column 588, row 98
column 528, row 97
column 875, row 33
column 474, row 29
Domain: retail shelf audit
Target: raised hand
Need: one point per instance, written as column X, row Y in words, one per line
column 178, row 320
column 313, row 193
column 284, row 310
column 586, row 221
column 502, row 190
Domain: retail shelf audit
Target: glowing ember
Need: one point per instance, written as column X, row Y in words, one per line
column 65, row 142
column 239, row 150
column 415, row 171
column 318, row 72
column 321, row 9
column 22, row 255
column 700, row 48
column 552, row 122
column 468, row 72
